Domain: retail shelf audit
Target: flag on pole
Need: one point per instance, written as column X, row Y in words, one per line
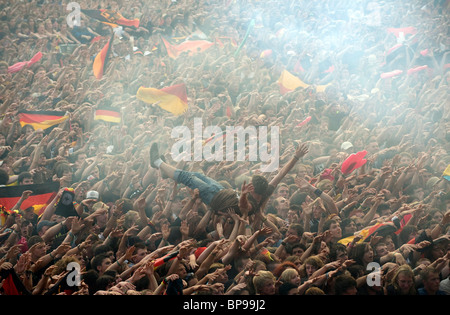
column 172, row 99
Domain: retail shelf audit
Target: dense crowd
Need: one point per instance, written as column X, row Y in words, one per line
column 144, row 224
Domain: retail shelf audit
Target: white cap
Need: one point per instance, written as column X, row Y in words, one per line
column 346, row 145
column 92, row 194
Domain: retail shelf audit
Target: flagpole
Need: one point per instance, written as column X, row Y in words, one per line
column 249, row 28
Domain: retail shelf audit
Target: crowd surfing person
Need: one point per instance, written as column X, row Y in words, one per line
column 139, row 223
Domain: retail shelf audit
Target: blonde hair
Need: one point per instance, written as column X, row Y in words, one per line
column 288, row 274
column 261, row 278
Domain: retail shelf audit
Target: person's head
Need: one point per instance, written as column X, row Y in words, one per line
column 430, row 279
column 381, row 249
column 404, row 159
column 314, row 291
column 295, row 229
column 43, row 226
column 290, row 275
column 362, row 253
column 100, row 263
column 39, row 250
column 345, row 285
column 312, row 264
column 334, row 227
column 338, row 251
column 297, row 249
column 372, row 147
column 104, row 249
column 348, row 227
column 281, row 206
column 403, row 280
column 260, row 184
column 283, row 191
column 264, row 283
column 104, row 282
column 139, row 253
column 25, row 178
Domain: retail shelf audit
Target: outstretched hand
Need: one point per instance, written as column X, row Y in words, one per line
column 301, row 151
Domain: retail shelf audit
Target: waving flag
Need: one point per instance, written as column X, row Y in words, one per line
column 20, row 65
column 353, row 162
column 172, row 99
column 107, row 114
column 381, row 229
column 41, row 119
column 191, row 47
column 111, row 18
column 42, row 195
column 102, row 58
column 289, row 82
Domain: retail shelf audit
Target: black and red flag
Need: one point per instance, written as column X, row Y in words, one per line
column 12, row 285
column 41, row 119
column 108, row 114
column 102, row 58
column 111, row 18
column 41, row 196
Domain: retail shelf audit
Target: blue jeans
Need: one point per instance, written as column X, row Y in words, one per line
column 207, row 187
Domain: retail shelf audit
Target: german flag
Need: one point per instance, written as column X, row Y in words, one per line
column 172, row 99
column 42, row 195
column 111, row 18
column 191, row 47
column 41, row 119
column 381, row 229
column 102, row 58
column 107, row 114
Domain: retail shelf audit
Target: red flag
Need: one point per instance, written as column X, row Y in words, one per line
column 353, row 162
column 172, row 98
column 304, row 122
column 416, row 69
column 191, row 47
column 391, row 74
column 18, row 66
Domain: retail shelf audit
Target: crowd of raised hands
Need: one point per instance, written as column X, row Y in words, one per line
column 320, row 231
